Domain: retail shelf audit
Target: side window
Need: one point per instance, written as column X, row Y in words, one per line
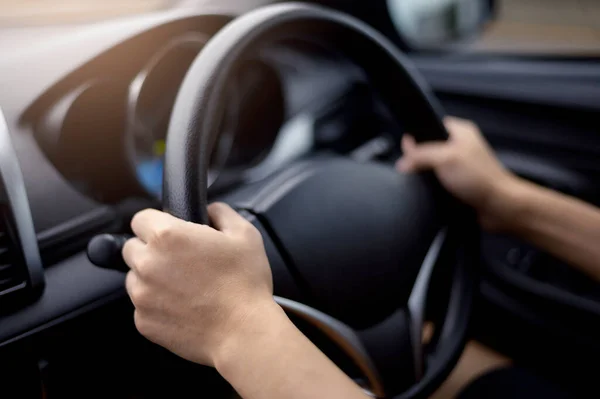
column 555, row 27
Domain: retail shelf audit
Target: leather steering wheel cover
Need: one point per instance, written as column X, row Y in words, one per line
column 201, row 101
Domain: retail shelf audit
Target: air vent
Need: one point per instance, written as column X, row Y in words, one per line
column 21, row 271
column 12, row 277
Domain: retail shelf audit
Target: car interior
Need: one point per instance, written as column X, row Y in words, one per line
column 292, row 113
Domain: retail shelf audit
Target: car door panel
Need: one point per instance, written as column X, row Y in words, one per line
column 542, row 119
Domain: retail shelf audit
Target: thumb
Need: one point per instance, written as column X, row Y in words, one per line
column 224, row 218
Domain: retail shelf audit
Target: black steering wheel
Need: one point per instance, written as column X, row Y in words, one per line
column 363, row 239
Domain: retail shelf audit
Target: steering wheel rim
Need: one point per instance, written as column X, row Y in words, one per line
column 199, row 106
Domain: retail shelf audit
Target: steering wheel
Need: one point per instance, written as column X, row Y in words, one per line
column 364, row 240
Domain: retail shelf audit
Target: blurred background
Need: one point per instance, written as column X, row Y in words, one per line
column 539, row 26
column 544, row 26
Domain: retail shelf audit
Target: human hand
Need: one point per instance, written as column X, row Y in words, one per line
column 195, row 286
column 466, row 166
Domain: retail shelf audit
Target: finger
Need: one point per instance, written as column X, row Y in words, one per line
column 454, row 121
column 149, row 328
column 133, row 251
column 408, row 143
column 427, row 156
column 131, row 281
column 148, row 221
column 418, row 157
column 224, row 218
column 457, row 127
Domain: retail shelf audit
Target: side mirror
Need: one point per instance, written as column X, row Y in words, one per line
column 436, row 23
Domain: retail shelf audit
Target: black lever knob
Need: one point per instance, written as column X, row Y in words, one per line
column 105, row 251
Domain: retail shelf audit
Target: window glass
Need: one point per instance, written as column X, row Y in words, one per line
column 568, row 27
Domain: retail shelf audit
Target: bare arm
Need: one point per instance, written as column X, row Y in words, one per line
column 563, row 226
column 273, row 359
column 207, row 295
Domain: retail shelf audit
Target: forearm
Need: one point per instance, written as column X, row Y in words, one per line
column 561, row 225
column 271, row 358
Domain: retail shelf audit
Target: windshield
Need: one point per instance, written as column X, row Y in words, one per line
column 28, row 12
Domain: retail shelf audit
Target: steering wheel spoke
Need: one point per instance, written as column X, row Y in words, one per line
column 342, row 335
column 380, row 352
column 417, row 301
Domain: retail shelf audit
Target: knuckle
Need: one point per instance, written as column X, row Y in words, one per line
column 138, row 217
column 130, row 281
column 164, row 234
column 140, row 296
column 145, row 266
column 129, row 253
column 135, row 219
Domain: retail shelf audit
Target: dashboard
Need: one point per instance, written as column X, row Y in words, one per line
column 96, row 134
column 125, row 121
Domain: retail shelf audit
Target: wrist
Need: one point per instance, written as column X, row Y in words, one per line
column 260, row 324
column 504, row 205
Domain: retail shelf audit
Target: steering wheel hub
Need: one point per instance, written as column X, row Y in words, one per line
column 359, row 275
